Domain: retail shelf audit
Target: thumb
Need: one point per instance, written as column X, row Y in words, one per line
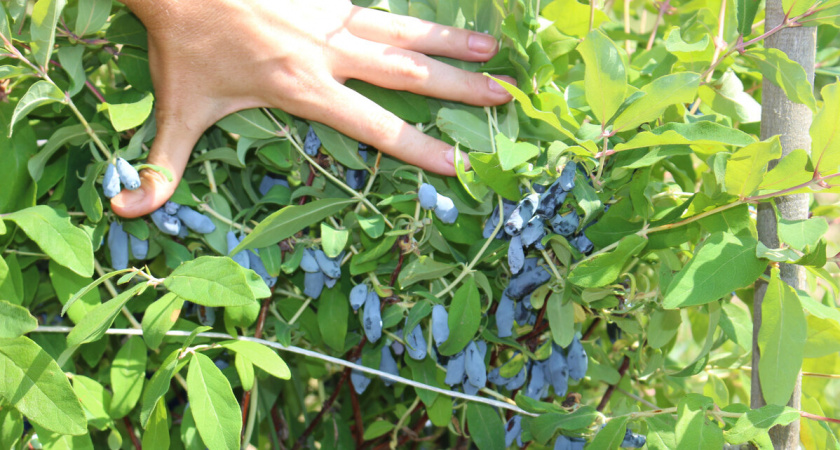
column 171, row 150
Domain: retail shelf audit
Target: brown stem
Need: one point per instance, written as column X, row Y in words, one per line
column 309, row 181
column 357, row 416
column 664, row 6
column 808, row 415
column 302, row 439
column 609, row 392
column 130, row 429
column 591, row 329
column 246, row 397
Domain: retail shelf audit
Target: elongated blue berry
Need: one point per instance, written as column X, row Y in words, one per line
column 495, row 377
column 240, row 258
column 118, row 244
column 578, row 443
column 551, row 199
column 445, row 209
column 416, row 343
column 537, row 387
column 195, row 221
column 469, row 388
column 582, row 243
column 567, row 176
column 633, row 440
column 516, row 254
column 518, row 380
column 313, row 284
column 372, row 317
column 111, row 181
column 358, row 379
column 565, row 225
column 558, row 372
column 513, row 428
column 311, row 143
column 139, row 247
column 577, row 360
column 330, row 266
column 397, row 346
column 427, row 195
column 171, row 208
column 522, row 214
column 358, row 296
column 440, row 324
column 455, row 369
column 269, row 182
column 474, row 365
column 128, row 175
column 481, row 345
column 533, row 232
column 308, row 262
column 329, row 282
column 504, row 317
column 166, row 223
column 563, row 443
column 387, row 364
column 257, row 266
column 355, row 178
column 526, row 282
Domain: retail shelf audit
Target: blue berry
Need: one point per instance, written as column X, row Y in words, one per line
column 139, row 247
column 513, row 429
column 533, row 232
column 440, row 324
column 313, row 284
column 558, row 372
column 633, row 440
column 567, row 176
column 582, row 243
column 311, row 143
column 330, row 266
column 427, row 195
column 171, row 208
column 504, row 317
column 518, row 380
column 522, row 214
column 166, row 223
column 118, row 244
column 111, row 181
column 257, row 266
column 269, row 182
column 445, row 209
column 551, row 199
column 563, row 443
column 372, row 317
column 358, row 296
column 516, row 255
column 240, row 258
column 455, row 369
column 474, row 365
column 195, row 221
column 577, row 360
column 537, row 387
column 308, row 262
column 416, row 343
column 358, row 379
column 387, row 364
column 526, row 282
column 565, row 225
column 128, row 175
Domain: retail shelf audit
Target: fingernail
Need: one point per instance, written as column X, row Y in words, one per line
column 449, row 156
column 496, row 87
column 481, row 43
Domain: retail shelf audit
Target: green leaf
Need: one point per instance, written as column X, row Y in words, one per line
column 781, row 341
column 373, row 226
column 290, row 220
column 693, row 430
column 423, row 268
column 792, row 170
column 333, row 241
column 92, row 16
column 825, row 132
column 745, row 11
column 72, row 134
column 532, row 112
column 726, row 96
column 214, row 407
column 376, row 429
column 465, row 128
column 95, row 399
column 93, row 326
column 424, row 372
column 339, row 146
column 39, row 94
column 125, row 116
column 512, row 154
column 158, row 385
column 406, row 105
column 747, row 166
column 758, row 421
column 83, row 291
column 789, row 75
column 464, row 318
column 157, row 430
column 489, row 170
column 65, row 243
column 15, row 320
column 333, row 310
column 249, row 123
column 211, row 281
column 605, row 77
column 128, row 372
column 544, row 426
column 261, row 356
column 5, row 30
column 34, row 384
column 723, row 263
column 561, row 317
column 45, row 16
column 11, row 422
column 697, row 133
column 486, row 428
column 602, row 269
column 736, row 323
column 57, row 441
column 659, row 94
column 662, row 327
column 572, row 18
column 661, row 432
column 159, row 318
column 800, row 234
column 611, row 435
column 71, row 60
column 245, row 370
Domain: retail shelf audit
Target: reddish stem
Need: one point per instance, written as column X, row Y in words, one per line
column 327, row 405
column 357, row 415
column 609, row 392
column 130, row 429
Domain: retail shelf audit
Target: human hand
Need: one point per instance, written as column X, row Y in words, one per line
column 212, row 58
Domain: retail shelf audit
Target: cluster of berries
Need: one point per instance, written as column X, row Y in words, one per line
column 249, row 259
column 117, row 174
column 429, row 198
column 320, row 270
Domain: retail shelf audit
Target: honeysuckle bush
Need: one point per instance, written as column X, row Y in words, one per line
column 645, row 267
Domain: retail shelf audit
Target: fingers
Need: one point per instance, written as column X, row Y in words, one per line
column 358, row 117
column 171, row 150
column 396, row 68
column 421, row 36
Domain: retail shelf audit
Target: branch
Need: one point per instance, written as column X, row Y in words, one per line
column 621, row 370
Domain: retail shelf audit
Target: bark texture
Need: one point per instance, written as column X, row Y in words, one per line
column 791, row 121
